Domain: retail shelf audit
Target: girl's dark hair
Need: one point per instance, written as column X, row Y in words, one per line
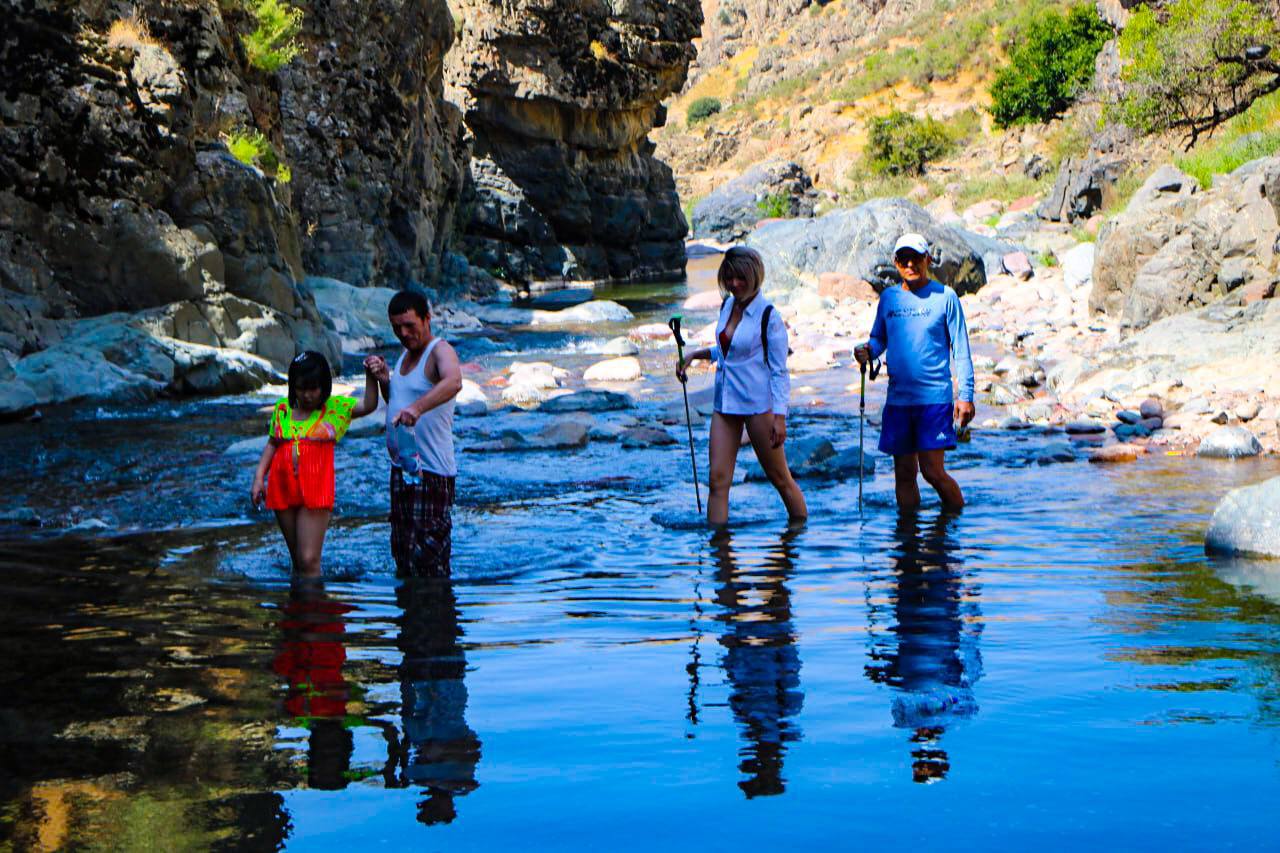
column 309, row 370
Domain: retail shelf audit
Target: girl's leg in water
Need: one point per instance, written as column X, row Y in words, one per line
column 312, row 524
column 774, row 462
column 726, row 438
column 288, row 521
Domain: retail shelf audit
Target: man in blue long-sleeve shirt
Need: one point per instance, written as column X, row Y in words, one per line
column 921, row 327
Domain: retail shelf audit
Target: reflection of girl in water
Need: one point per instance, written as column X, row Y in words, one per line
column 760, row 661
column 310, row 659
column 931, row 653
column 439, row 751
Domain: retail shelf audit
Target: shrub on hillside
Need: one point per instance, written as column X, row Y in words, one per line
column 701, row 109
column 1196, row 65
column 1050, row 67
column 901, row 144
column 774, row 206
column 252, row 148
column 274, row 42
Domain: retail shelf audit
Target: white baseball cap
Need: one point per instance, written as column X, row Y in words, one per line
column 915, row 242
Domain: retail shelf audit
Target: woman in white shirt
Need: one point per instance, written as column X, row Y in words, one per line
column 752, row 386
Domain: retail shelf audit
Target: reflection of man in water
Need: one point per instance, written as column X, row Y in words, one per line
column 932, row 655
column 311, row 658
column 761, row 661
column 439, row 751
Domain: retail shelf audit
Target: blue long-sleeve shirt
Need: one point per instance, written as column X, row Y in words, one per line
column 924, row 333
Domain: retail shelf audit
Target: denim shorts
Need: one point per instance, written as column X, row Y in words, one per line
column 908, row 429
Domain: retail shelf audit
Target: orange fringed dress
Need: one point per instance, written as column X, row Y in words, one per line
column 301, row 473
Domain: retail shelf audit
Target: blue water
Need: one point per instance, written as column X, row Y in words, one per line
column 591, row 678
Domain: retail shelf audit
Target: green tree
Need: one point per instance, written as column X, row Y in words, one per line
column 702, row 108
column 1049, row 68
column 901, row 144
column 274, row 42
column 1195, row 65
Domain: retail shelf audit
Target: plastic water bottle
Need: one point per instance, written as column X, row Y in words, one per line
column 916, row 708
column 407, row 454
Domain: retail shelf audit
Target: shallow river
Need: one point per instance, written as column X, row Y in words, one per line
column 1057, row 665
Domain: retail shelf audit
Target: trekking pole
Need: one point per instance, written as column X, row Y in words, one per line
column 674, row 325
column 862, row 416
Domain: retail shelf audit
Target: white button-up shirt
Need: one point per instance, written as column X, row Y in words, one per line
column 745, row 385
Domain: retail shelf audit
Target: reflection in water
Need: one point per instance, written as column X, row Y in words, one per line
column 930, row 654
column 310, row 659
column 439, row 750
column 761, row 661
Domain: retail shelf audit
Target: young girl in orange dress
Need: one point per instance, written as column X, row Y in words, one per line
column 295, row 471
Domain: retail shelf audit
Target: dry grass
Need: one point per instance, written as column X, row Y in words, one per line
column 130, row 32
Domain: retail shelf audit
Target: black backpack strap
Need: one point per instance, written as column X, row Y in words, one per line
column 764, row 332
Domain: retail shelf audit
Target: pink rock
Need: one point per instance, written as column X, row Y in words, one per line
column 1017, row 264
column 703, row 301
column 838, row 286
column 650, row 332
column 1117, row 453
column 1025, row 203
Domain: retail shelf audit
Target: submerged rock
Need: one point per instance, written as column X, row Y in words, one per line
column 645, row 436
column 1247, row 521
column 588, row 401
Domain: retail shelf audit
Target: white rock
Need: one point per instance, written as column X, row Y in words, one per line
column 1077, row 265
column 595, row 311
column 624, row 369
column 620, row 346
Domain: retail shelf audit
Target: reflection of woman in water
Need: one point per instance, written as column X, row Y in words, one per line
column 439, row 751
column 310, row 659
column 761, row 661
column 931, row 653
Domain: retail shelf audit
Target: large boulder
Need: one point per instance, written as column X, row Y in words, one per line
column 357, row 314
column 1229, row 442
column 859, row 242
column 1176, row 248
column 731, row 211
column 1081, row 188
column 1247, row 521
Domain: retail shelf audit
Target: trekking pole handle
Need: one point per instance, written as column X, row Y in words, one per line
column 674, row 325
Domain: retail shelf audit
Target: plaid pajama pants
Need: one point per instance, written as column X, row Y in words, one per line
column 421, row 524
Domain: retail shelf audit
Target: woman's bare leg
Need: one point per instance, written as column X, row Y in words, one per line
column 774, row 462
column 726, row 438
column 312, row 524
column 288, row 521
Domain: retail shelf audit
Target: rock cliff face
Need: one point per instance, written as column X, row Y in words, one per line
column 379, row 156
column 560, row 98
column 119, row 194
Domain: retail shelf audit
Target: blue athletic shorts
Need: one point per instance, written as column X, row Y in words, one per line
column 907, row 429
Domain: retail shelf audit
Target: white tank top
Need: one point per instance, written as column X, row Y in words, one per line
column 432, row 435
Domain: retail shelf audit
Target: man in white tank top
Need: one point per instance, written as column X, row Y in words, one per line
column 420, row 393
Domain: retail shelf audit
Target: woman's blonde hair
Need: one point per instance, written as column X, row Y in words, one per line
column 746, row 264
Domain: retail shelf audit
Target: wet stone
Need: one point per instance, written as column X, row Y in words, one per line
column 1056, row 451
column 1117, row 453
column 588, row 401
column 645, row 436
column 1084, row 427
column 1128, row 416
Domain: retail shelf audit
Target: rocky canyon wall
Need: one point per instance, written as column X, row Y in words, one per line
column 119, row 196
column 560, row 98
